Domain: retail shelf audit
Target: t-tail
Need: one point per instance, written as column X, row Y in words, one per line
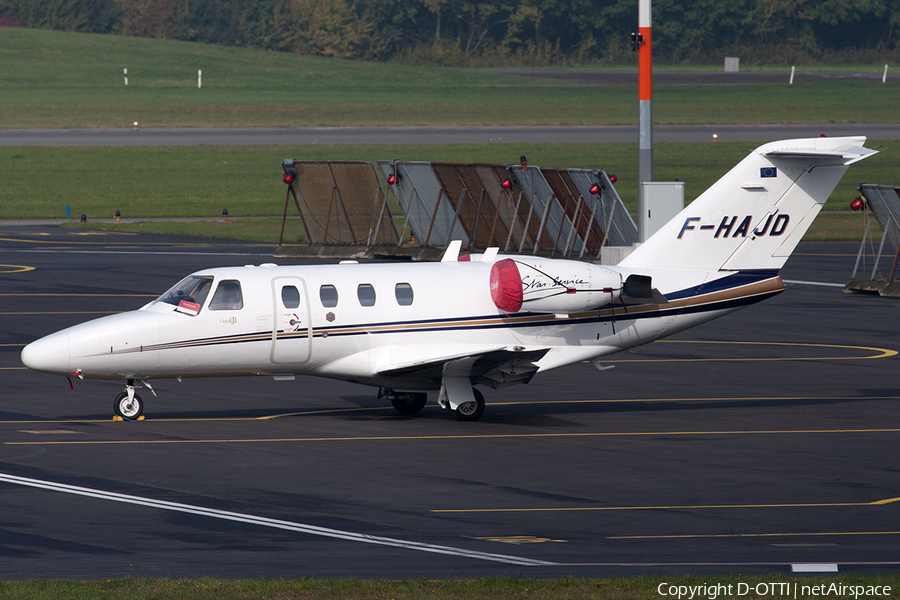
column 754, row 216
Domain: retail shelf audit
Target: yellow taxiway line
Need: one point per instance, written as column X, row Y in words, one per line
column 327, row 411
column 749, row 535
column 499, row 436
column 669, row 507
column 879, row 352
column 5, row 269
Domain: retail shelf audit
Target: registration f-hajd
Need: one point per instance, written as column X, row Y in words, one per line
column 727, row 224
column 468, row 321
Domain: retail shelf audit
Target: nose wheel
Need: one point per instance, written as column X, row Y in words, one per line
column 128, row 406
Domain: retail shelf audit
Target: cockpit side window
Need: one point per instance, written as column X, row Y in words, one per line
column 228, row 296
column 189, row 293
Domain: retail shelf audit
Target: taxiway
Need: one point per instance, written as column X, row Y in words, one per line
column 761, row 440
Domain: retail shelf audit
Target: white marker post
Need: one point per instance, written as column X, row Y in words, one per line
column 199, row 79
column 884, row 77
column 792, row 77
column 126, row 76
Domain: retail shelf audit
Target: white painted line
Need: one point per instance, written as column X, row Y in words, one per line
column 274, row 523
column 814, row 568
column 49, row 431
column 796, row 282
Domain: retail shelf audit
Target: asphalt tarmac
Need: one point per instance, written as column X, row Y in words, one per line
column 301, row 136
column 756, row 442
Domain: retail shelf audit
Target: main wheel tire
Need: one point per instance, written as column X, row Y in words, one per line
column 409, row 404
column 471, row 411
column 128, row 409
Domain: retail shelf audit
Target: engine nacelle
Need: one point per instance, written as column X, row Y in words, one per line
column 557, row 286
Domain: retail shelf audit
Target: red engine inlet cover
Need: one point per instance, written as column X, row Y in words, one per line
column 506, row 286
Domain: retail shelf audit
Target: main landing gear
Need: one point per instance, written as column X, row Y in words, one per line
column 459, row 396
column 470, row 410
column 405, row 403
column 465, row 402
column 129, row 405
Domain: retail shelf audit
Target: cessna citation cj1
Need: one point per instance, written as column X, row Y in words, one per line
column 481, row 320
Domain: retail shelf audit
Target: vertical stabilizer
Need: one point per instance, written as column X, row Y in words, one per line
column 754, row 216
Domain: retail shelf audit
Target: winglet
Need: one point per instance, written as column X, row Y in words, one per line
column 452, row 252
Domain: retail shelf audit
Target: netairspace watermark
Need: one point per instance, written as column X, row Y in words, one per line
column 788, row 589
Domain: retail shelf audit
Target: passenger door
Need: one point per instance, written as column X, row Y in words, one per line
column 292, row 331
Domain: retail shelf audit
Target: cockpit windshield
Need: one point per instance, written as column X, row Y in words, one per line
column 189, row 293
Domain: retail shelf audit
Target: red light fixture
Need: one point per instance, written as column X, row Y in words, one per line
column 392, row 179
column 288, row 178
column 613, row 178
column 506, row 183
column 595, row 189
column 857, row 204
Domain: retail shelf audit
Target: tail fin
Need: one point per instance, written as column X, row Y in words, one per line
column 754, row 216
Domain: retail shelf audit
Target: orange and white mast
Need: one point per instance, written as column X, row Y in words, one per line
column 645, row 97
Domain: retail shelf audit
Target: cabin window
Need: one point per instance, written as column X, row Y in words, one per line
column 189, row 293
column 404, row 293
column 366, row 294
column 290, row 296
column 228, row 296
column 328, row 295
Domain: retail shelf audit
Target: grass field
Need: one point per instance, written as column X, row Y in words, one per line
column 494, row 588
column 202, row 181
column 56, row 79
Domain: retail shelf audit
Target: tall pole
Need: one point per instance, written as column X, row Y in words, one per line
column 645, row 96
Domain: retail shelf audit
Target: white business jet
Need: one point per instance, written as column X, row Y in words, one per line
column 480, row 320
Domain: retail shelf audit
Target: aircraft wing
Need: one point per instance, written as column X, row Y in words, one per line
column 492, row 366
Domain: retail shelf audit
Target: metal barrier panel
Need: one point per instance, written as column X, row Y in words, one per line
column 430, row 212
column 551, row 218
column 884, row 200
column 608, row 209
column 547, row 211
column 342, row 202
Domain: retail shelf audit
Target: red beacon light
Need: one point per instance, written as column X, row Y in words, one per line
column 392, row 179
column 506, row 183
column 289, row 177
column 857, row 204
column 613, row 178
column 595, row 189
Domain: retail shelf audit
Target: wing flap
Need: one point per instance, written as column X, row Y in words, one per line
column 486, row 364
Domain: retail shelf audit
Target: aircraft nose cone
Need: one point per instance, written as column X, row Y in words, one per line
column 49, row 354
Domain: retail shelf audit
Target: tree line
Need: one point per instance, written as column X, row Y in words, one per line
column 496, row 32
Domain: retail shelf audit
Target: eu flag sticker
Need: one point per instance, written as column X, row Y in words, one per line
column 768, row 172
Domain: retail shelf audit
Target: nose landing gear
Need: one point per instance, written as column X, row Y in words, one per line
column 129, row 405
